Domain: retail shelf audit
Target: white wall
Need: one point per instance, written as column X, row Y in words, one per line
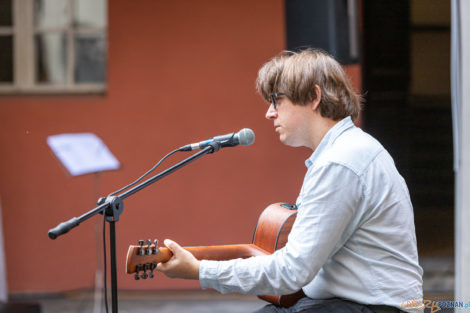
column 461, row 113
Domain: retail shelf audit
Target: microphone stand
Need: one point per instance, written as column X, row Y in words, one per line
column 113, row 206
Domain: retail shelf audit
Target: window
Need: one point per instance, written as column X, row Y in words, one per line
column 53, row 46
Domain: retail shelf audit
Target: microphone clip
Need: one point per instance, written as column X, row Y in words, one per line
column 215, row 146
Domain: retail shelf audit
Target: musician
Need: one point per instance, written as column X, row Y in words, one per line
column 352, row 247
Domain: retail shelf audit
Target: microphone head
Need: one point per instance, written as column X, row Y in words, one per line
column 246, row 137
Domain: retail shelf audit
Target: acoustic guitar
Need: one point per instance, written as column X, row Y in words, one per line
column 272, row 229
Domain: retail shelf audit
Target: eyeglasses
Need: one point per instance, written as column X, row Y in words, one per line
column 274, row 97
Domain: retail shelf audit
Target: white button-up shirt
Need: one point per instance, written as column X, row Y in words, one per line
column 353, row 237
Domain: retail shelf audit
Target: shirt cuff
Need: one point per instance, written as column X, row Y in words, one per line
column 208, row 273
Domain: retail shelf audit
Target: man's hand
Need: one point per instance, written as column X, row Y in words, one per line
column 181, row 265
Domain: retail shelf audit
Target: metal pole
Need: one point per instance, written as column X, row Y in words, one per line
column 112, row 240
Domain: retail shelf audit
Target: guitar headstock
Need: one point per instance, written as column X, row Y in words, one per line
column 142, row 259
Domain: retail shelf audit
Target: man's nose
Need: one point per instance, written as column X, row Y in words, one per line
column 271, row 113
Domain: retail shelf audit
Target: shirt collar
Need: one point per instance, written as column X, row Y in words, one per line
column 329, row 138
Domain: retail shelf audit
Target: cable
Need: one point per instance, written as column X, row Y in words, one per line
column 104, row 222
column 148, row 172
column 104, row 259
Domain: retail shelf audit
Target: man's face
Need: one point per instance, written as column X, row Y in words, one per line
column 292, row 122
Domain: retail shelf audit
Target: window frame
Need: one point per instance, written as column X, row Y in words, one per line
column 24, row 53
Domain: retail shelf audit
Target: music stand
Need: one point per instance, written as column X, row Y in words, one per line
column 80, row 154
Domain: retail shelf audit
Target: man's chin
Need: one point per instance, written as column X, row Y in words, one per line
column 285, row 141
column 290, row 143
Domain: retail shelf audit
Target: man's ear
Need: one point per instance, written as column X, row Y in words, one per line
column 316, row 102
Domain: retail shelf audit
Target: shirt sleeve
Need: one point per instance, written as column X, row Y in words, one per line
column 329, row 198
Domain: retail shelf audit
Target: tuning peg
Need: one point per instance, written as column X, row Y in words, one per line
column 155, row 248
column 149, row 250
column 147, row 267
column 141, row 244
column 152, row 267
column 137, row 270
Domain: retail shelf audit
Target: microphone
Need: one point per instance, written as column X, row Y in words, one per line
column 244, row 137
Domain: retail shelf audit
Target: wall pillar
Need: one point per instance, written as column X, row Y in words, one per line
column 461, row 116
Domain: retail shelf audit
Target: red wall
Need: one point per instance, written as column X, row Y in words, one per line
column 178, row 72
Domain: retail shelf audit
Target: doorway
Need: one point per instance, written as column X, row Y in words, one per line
column 406, row 64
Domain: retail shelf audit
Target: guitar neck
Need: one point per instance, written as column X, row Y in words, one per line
column 219, row 253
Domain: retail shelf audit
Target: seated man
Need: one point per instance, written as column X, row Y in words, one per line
column 352, row 247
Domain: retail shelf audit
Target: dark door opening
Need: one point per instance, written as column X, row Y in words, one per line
column 406, row 77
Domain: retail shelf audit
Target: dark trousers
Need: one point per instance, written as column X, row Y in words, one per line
column 307, row 305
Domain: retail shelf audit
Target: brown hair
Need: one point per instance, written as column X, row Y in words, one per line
column 296, row 74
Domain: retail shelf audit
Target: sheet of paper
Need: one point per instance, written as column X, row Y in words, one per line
column 82, row 153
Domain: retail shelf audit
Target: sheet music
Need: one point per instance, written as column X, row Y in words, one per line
column 82, row 153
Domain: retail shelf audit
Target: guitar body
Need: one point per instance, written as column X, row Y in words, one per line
column 272, row 230
column 271, row 233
